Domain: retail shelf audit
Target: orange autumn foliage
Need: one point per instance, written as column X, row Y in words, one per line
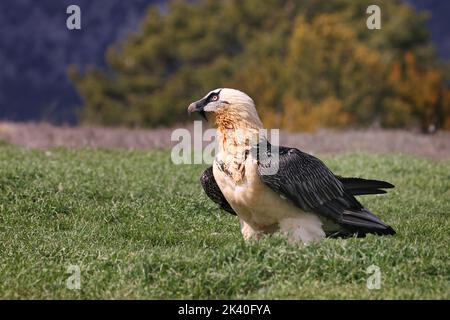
column 420, row 94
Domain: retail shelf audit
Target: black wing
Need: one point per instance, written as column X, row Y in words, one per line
column 213, row 191
column 311, row 186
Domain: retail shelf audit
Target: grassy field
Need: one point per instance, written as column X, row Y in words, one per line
column 140, row 227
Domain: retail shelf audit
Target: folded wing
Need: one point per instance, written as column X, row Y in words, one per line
column 311, row 186
column 213, row 191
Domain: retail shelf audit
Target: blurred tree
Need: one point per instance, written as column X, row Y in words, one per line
column 306, row 63
column 420, row 94
column 331, row 71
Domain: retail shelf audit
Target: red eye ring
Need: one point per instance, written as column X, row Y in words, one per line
column 214, row 98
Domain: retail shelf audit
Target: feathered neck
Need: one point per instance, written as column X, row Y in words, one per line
column 238, row 116
column 237, row 130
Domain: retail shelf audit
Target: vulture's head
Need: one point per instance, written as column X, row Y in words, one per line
column 231, row 108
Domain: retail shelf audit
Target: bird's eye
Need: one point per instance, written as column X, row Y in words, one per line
column 214, row 98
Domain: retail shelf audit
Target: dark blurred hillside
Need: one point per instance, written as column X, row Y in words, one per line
column 439, row 23
column 36, row 49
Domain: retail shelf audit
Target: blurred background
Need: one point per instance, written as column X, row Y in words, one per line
column 308, row 64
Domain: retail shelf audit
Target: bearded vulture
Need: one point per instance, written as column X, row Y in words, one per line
column 302, row 198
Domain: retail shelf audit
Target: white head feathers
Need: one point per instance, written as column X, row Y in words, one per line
column 230, row 106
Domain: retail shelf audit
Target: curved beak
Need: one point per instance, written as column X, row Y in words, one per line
column 197, row 107
column 194, row 107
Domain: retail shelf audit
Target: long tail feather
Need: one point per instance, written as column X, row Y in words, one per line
column 359, row 186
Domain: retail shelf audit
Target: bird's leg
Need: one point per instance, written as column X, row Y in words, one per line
column 248, row 232
column 302, row 228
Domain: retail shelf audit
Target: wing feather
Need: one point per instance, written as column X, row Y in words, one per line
column 213, row 191
column 310, row 185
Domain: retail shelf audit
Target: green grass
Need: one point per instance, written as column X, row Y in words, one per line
column 140, row 227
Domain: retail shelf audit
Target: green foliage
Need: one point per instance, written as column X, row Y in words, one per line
column 306, row 63
column 140, row 227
